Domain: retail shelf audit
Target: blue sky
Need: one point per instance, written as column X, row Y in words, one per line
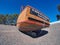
column 48, row 7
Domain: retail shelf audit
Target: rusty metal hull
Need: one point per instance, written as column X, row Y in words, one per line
column 30, row 22
column 30, row 25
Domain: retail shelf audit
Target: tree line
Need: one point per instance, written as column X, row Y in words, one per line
column 8, row 19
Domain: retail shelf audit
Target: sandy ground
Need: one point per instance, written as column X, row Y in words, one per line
column 10, row 35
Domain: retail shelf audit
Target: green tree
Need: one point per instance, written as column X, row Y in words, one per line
column 8, row 19
column 14, row 17
column 58, row 15
column 58, row 7
column 2, row 19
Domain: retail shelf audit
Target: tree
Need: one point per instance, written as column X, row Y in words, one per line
column 15, row 16
column 58, row 15
column 12, row 19
column 2, row 19
column 58, row 7
column 8, row 19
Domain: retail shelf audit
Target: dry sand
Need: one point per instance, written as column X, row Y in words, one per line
column 10, row 35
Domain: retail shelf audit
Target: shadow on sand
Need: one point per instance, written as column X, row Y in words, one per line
column 36, row 34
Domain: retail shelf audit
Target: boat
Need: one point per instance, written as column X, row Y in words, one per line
column 30, row 19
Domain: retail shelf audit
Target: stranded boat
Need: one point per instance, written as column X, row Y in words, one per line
column 30, row 19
